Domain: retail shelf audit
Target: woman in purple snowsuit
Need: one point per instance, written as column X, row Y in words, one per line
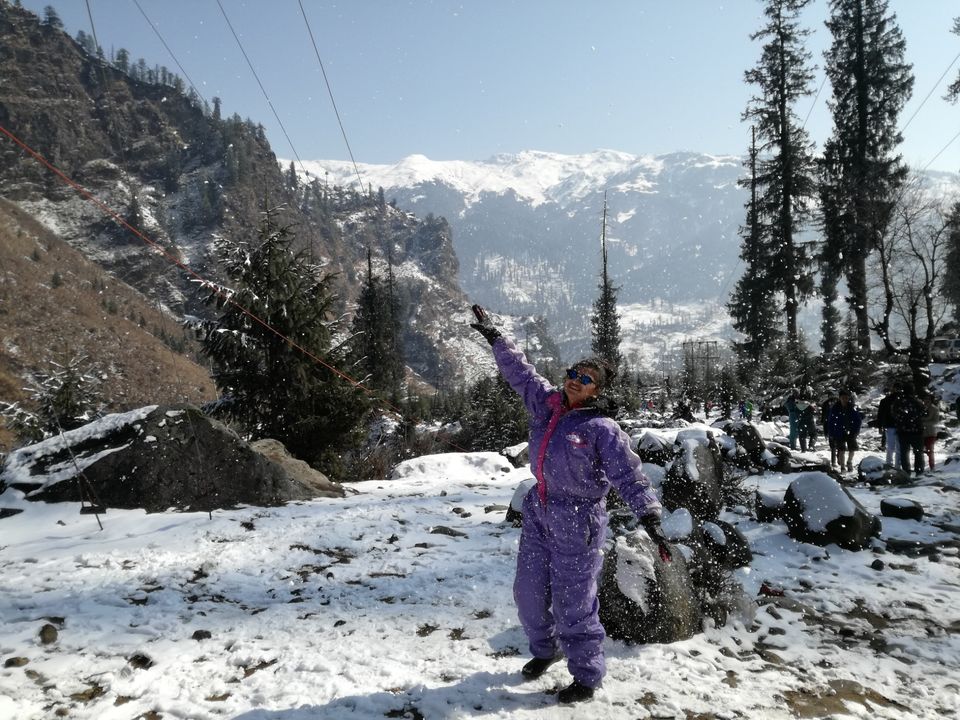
column 576, row 454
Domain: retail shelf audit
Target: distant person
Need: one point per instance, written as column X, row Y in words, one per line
column 577, row 453
column 931, row 420
column 746, row 410
column 908, row 414
column 793, row 417
column 843, row 427
column 887, row 426
column 806, row 425
column 825, row 407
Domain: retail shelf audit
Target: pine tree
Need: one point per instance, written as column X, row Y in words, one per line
column 273, row 389
column 62, row 398
column 953, row 92
column 784, row 162
column 495, row 417
column 605, row 322
column 752, row 304
column 860, row 175
column 376, row 347
column 951, row 275
column 51, row 19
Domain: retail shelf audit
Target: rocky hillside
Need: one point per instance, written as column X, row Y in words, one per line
column 168, row 164
column 56, row 305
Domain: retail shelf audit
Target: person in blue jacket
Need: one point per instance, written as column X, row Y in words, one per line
column 843, row 426
column 577, row 453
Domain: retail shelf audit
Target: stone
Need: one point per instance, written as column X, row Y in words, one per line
column 693, row 480
column 155, row 458
column 818, row 510
column 654, row 449
column 642, row 598
column 902, row 508
column 874, row 471
column 297, row 469
column 48, row 634
column 767, row 506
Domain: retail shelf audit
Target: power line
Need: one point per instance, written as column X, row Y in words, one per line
column 330, row 93
column 814, row 103
column 262, row 88
column 939, row 80
column 157, row 32
column 942, row 150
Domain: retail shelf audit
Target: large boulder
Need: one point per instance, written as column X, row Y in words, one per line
column 297, row 469
column 748, row 437
column 875, row 471
column 654, row 449
column 155, row 458
column 642, row 598
column 693, row 479
column 818, row 510
column 518, row 455
column 726, row 544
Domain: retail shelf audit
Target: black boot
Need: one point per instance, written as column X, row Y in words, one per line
column 574, row 693
column 538, row 666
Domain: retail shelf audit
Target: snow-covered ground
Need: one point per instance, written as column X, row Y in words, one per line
column 396, row 602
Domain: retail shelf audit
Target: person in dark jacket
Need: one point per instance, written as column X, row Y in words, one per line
column 843, row 427
column 807, row 424
column 888, row 427
column 825, row 407
column 908, row 413
column 576, row 453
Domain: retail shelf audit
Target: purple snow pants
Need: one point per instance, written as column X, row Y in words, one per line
column 555, row 589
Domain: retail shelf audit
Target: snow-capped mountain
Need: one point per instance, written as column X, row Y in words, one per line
column 526, row 227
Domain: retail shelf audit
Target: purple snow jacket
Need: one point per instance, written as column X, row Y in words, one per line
column 576, row 455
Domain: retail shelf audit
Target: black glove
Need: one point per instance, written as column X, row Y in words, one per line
column 651, row 523
column 484, row 325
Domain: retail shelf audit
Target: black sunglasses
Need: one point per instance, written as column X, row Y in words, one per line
column 573, row 374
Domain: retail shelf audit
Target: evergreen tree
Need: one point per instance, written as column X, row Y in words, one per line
column 953, row 92
column 375, row 330
column 951, row 275
column 860, row 175
column 122, row 60
column 752, row 304
column 51, row 19
column 606, row 325
column 495, row 417
column 63, row 398
column 273, row 389
column 784, row 163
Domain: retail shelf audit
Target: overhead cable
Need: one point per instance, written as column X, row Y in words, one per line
column 164, row 42
column 330, row 93
column 262, row 88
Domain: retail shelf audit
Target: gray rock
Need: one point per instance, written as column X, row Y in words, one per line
column 297, row 469
column 48, row 634
column 902, row 508
column 818, row 510
column 654, row 449
column 767, row 506
column 154, row 458
column 693, row 480
column 874, row 471
column 642, row 598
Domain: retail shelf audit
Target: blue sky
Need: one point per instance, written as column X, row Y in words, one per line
column 466, row 80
